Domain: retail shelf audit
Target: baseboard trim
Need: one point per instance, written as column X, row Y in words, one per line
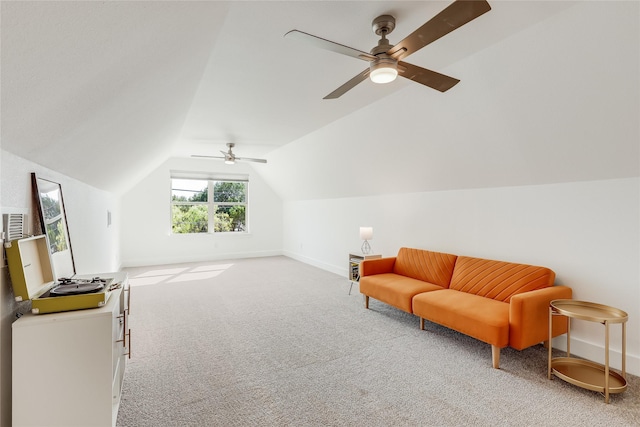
column 142, row 262
column 317, row 263
column 595, row 352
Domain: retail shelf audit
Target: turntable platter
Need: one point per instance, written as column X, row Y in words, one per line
column 76, row 288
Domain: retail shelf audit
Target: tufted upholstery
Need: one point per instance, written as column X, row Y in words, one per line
column 396, row 280
column 498, row 280
column 428, row 266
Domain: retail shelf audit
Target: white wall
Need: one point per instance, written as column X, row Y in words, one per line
column 95, row 246
column 587, row 232
column 146, row 236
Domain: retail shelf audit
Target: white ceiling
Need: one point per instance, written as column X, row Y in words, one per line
column 106, row 91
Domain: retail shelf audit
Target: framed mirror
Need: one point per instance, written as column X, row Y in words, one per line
column 53, row 223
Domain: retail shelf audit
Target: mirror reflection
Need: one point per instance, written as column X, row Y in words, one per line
column 53, row 222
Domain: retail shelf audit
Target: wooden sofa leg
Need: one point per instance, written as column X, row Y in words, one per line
column 422, row 324
column 495, row 356
column 366, row 301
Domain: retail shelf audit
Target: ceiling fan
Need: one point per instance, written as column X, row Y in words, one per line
column 385, row 60
column 229, row 157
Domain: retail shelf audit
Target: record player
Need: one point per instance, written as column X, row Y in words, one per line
column 32, row 277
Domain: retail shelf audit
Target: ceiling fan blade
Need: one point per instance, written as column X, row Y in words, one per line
column 454, row 16
column 348, row 85
column 329, row 45
column 426, row 77
column 247, row 159
column 208, row 157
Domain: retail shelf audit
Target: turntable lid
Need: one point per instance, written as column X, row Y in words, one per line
column 29, row 266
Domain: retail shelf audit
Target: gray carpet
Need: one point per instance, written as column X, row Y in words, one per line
column 275, row 342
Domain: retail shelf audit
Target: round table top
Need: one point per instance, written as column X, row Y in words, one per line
column 591, row 311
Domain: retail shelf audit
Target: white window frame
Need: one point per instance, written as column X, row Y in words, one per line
column 211, row 179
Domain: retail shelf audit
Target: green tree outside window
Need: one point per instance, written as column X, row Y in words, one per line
column 190, row 207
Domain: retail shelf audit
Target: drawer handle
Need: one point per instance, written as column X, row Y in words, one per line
column 128, row 290
column 128, row 353
column 124, row 343
column 123, row 321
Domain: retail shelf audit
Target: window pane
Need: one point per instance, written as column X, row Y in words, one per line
column 229, row 192
column 189, row 218
column 188, row 190
column 229, row 219
column 51, row 204
column 55, row 231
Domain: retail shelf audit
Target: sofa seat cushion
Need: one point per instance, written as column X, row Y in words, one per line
column 482, row 318
column 394, row 289
column 498, row 280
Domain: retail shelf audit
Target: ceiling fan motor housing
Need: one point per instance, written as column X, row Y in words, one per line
column 383, row 25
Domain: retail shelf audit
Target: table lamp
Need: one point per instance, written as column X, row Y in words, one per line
column 366, row 233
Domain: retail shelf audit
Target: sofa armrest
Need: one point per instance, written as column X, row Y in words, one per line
column 529, row 316
column 369, row 267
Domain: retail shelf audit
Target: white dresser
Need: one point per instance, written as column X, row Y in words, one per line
column 68, row 368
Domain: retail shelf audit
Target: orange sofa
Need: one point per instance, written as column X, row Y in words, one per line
column 500, row 303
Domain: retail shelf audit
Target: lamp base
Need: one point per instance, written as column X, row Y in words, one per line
column 366, row 248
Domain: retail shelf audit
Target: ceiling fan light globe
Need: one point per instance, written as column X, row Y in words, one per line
column 229, row 161
column 383, row 70
column 383, row 75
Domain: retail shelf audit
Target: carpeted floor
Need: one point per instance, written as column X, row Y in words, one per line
column 275, row 342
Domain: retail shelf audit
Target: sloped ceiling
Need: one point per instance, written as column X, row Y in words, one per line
column 557, row 102
column 99, row 90
column 106, row 91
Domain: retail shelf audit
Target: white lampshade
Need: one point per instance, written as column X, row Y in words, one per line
column 366, row 233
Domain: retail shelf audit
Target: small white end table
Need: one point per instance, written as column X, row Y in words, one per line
column 355, row 258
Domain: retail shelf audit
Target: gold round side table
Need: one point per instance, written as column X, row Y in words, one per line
column 584, row 373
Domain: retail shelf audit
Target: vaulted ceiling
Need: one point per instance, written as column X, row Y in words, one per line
column 104, row 92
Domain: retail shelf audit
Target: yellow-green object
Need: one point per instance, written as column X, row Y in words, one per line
column 32, row 277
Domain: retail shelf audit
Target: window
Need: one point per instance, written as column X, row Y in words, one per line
column 208, row 205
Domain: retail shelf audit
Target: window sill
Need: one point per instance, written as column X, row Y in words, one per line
column 228, row 235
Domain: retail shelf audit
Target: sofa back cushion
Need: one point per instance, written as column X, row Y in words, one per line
column 432, row 267
column 498, row 280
